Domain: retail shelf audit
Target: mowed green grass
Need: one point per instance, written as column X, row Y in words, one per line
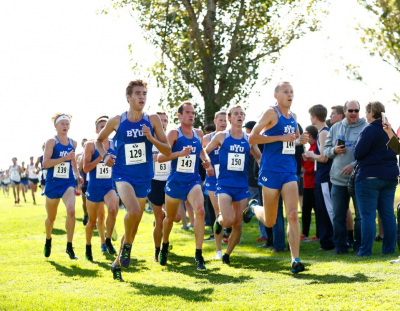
column 256, row 280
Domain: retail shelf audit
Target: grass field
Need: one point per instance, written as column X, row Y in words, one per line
column 256, row 280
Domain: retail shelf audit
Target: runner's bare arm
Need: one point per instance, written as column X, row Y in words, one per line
column 160, row 140
column 111, row 126
column 267, row 121
column 215, row 142
column 88, row 164
column 172, row 138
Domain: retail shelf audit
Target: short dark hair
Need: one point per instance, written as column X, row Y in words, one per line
column 180, row 108
column 312, row 130
column 318, row 111
column 134, row 83
column 209, row 128
column 339, row 109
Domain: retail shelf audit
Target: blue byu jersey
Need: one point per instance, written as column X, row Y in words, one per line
column 62, row 172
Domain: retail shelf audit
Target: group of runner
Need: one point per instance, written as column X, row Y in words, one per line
column 143, row 161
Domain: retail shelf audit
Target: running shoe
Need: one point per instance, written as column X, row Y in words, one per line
column 103, row 248
column 396, row 261
column 89, row 256
column 262, row 240
column 34, row 202
column 200, row 263
column 217, row 226
column 185, row 228
column 314, row 239
column 114, row 235
column 226, row 240
column 297, row 266
column 218, row 255
column 125, row 258
column 71, row 253
column 225, row 260
column 210, row 239
column 248, row 213
column 378, row 239
column 110, row 248
column 117, row 275
column 47, row 250
column 190, row 226
column 162, row 257
column 85, row 220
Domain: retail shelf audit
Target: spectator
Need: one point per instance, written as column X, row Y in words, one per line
column 308, row 195
column 375, row 182
column 339, row 146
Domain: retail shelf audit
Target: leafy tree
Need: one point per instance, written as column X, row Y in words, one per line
column 214, row 48
column 384, row 38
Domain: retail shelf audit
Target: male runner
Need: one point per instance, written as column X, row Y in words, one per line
column 184, row 181
column 278, row 167
column 100, row 189
column 15, row 175
column 233, row 184
column 210, row 184
column 33, row 178
column 133, row 162
column 59, row 160
column 24, row 181
column 38, row 169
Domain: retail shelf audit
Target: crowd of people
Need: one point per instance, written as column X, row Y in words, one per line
column 237, row 171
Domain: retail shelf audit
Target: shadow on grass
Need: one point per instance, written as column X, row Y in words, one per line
column 135, row 266
column 175, row 265
column 58, row 231
column 75, row 270
column 334, row 278
column 184, row 293
column 263, row 264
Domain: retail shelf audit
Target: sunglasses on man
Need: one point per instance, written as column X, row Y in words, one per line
column 353, row 110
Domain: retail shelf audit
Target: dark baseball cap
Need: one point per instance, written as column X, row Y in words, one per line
column 250, row 124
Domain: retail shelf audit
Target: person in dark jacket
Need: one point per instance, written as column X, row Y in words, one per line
column 375, row 181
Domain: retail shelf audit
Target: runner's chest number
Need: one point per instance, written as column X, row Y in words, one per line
column 288, row 147
column 135, row 153
column 61, row 170
column 162, row 169
column 236, row 162
column 186, row 164
column 103, row 171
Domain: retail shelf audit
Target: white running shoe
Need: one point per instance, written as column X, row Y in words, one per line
column 396, row 260
column 218, row 255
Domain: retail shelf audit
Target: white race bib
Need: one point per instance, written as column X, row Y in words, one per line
column 162, row 169
column 288, row 147
column 44, row 173
column 216, row 170
column 15, row 175
column 103, row 171
column 236, row 162
column 62, row 170
column 135, row 153
column 186, row 164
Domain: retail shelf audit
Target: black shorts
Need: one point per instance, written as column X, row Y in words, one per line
column 34, row 180
column 157, row 193
column 15, row 182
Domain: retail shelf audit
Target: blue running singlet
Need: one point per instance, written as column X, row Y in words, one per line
column 101, row 176
column 234, row 159
column 61, row 173
column 186, row 169
column 280, row 156
column 322, row 170
column 133, row 150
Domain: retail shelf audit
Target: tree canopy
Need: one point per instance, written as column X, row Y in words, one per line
column 213, row 49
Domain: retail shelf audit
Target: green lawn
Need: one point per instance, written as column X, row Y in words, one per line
column 257, row 278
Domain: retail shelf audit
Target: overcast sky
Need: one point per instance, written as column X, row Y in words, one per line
column 58, row 56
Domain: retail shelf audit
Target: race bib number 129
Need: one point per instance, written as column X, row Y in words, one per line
column 135, row 153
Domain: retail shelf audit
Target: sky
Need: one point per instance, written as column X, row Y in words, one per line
column 58, row 56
